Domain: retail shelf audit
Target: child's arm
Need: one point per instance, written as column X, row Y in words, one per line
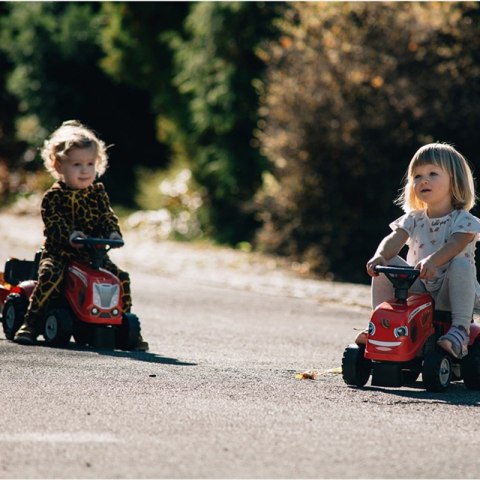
column 388, row 248
column 109, row 221
column 56, row 229
column 455, row 245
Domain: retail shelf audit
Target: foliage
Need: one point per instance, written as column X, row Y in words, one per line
column 136, row 51
column 169, row 204
column 208, row 112
column 217, row 68
column 55, row 50
column 10, row 148
column 353, row 90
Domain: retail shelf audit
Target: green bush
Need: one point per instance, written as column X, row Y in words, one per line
column 353, row 90
column 170, row 204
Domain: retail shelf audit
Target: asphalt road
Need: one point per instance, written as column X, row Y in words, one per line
column 217, row 395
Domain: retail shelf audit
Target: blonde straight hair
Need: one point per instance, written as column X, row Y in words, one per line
column 451, row 161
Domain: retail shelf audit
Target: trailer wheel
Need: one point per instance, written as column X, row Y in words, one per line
column 13, row 313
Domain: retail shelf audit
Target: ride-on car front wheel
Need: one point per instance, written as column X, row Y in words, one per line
column 13, row 313
column 356, row 368
column 58, row 327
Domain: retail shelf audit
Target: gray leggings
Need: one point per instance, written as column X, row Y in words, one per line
column 456, row 295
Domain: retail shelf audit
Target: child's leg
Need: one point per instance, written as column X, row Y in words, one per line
column 50, row 278
column 382, row 289
column 126, row 296
column 457, row 294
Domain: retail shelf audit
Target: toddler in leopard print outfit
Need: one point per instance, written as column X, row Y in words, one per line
column 73, row 207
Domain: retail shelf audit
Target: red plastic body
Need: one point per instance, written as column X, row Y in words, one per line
column 24, row 288
column 81, row 283
column 416, row 314
column 5, row 289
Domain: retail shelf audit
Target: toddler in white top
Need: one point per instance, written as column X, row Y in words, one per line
column 441, row 236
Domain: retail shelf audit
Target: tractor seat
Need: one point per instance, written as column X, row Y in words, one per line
column 17, row 271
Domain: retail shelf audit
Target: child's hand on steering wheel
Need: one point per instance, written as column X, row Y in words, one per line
column 115, row 236
column 427, row 268
column 76, row 234
column 373, row 262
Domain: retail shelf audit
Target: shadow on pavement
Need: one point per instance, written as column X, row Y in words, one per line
column 149, row 357
column 456, row 394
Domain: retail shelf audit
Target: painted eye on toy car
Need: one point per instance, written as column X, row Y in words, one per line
column 371, row 329
column 401, row 331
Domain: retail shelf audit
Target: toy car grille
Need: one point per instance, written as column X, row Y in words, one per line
column 105, row 295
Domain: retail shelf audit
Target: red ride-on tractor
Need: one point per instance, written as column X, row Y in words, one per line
column 402, row 342
column 17, row 283
column 90, row 308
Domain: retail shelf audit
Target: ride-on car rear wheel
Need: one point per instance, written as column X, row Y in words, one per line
column 58, row 327
column 356, row 368
column 13, row 313
column 471, row 366
column 437, row 371
column 128, row 332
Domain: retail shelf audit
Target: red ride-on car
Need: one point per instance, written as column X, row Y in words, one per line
column 16, row 286
column 90, row 308
column 402, row 342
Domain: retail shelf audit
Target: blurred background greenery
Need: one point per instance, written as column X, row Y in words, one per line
column 282, row 127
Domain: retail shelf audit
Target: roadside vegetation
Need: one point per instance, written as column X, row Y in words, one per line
column 282, row 127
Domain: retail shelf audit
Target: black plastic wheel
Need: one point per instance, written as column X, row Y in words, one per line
column 437, row 371
column 128, row 333
column 82, row 333
column 356, row 368
column 13, row 312
column 409, row 376
column 58, row 327
column 471, row 366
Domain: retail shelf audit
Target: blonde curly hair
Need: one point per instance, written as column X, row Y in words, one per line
column 72, row 134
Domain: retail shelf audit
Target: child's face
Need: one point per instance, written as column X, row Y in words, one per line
column 432, row 185
column 79, row 168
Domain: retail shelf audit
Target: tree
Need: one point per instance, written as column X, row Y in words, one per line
column 198, row 62
column 55, row 52
column 136, row 52
column 218, row 71
column 10, row 148
column 353, row 90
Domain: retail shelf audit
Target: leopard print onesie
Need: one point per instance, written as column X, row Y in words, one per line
column 64, row 211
